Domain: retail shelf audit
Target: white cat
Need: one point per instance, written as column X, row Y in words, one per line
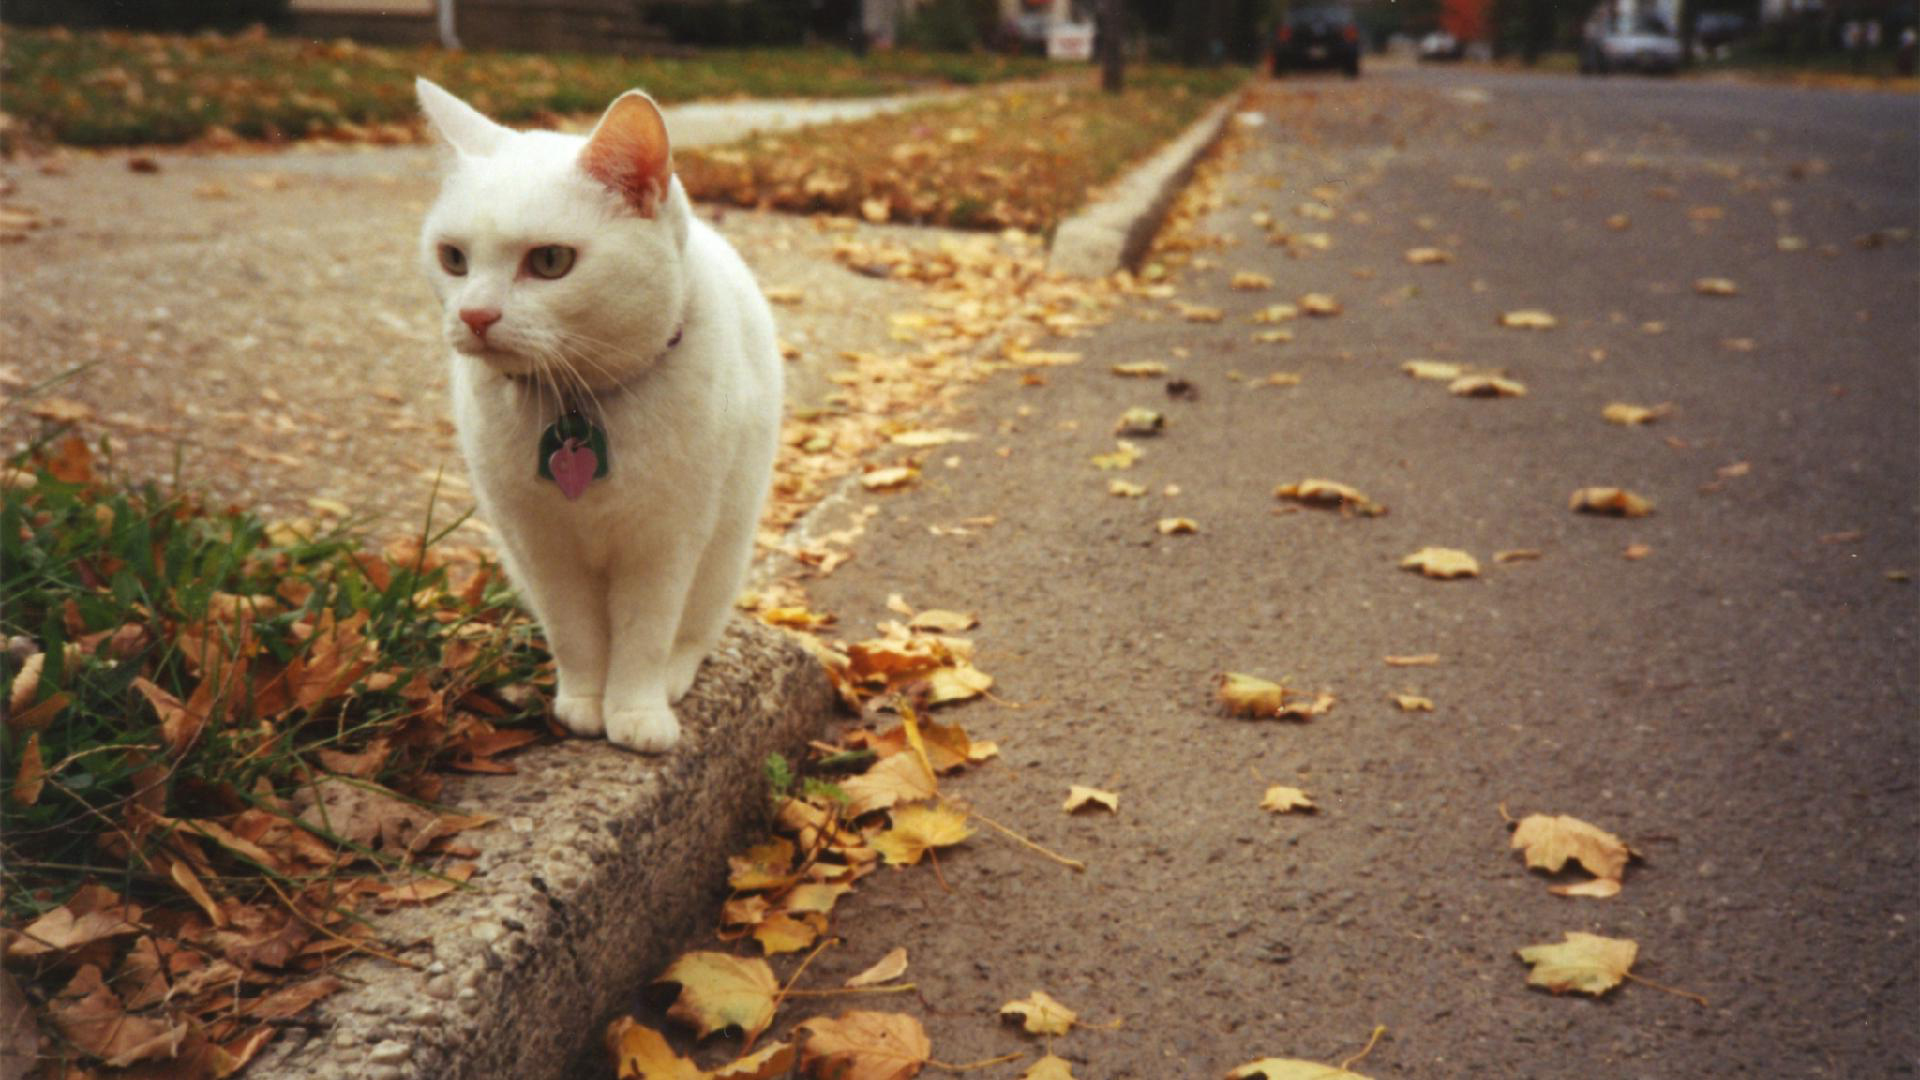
column 617, row 390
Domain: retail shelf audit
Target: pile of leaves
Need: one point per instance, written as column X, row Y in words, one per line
column 220, row 736
column 115, row 88
column 1017, row 158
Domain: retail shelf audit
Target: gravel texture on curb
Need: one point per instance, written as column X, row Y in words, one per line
column 1112, row 232
column 600, row 861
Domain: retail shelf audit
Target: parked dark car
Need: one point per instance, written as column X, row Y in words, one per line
column 1317, row 37
column 1716, row 28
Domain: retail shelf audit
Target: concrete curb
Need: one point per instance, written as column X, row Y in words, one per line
column 1112, row 233
column 601, row 862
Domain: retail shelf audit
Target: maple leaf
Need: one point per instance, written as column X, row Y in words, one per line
column 1528, row 319
column 1041, row 1014
column 1281, row 799
column 641, row 1053
column 917, row 830
column 1435, row 370
column 894, row 779
column 1330, row 493
column 1443, row 563
column 719, row 991
column 1587, row 963
column 1609, row 500
column 886, row 969
column 1079, row 797
column 1492, row 386
column 864, row 1046
column 782, row 933
column 1290, row 1069
column 1548, row 843
column 90, row 1016
column 762, row 866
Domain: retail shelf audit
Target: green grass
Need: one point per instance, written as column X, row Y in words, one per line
column 112, row 88
column 167, row 660
column 1022, row 158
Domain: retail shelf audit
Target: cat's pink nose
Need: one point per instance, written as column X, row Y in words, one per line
column 478, row 319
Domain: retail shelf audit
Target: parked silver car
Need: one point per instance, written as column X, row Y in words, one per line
column 1614, row 40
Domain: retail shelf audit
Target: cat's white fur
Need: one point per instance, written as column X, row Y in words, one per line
column 633, row 581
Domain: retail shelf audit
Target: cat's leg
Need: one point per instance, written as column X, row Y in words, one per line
column 644, row 599
column 710, row 600
column 571, row 606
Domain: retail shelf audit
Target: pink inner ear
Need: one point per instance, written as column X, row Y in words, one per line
column 628, row 153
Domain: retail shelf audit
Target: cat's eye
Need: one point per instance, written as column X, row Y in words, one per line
column 453, row 260
column 550, row 261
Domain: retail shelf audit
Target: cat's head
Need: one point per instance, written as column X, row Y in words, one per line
column 557, row 258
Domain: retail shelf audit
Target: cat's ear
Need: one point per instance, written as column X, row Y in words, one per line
column 459, row 123
column 628, row 152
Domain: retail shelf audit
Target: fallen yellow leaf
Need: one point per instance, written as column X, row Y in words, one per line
column 1609, row 500
column 864, row 1046
column 1276, row 313
column 1177, row 526
column 1488, row 386
column 719, row 991
column 1126, row 489
column 641, row 1053
column 1281, row 800
column 1248, row 281
column 1330, row 493
column 919, row 829
column 886, row 969
column 1587, row 963
column 1435, row 370
column 1048, row 1068
column 1628, row 415
column 1320, row 304
column 1041, row 1014
column 1079, row 797
column 1140, row 369
column 1290, row 1069
column 1528, row 319
column 1139, row 420
column 1428, row 256
column 1548, row 843
column 1443, row 563
column 1414, row 660
column 1412, row 703
column 890, row 478
column 1122, row 456
column 1716, row 286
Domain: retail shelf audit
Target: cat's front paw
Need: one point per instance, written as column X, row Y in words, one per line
column 580, row 714
column 650, row 728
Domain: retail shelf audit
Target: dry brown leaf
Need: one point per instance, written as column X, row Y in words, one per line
column 31, row 777
column 1609, row 500
column 1443, row 563
column 1040, row 1014
column 90, row 1016
column 864, row 1046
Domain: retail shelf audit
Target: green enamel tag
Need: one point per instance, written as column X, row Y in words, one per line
column 575, row 428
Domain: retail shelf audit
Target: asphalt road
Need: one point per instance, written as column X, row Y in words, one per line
column 1739, row 703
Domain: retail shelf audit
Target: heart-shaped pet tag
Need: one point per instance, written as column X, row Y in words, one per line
column 573, row 467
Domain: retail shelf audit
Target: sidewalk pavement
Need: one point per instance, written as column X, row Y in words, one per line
column 260, row 316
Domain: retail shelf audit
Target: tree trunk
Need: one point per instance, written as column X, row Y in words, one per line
column 1113, row 46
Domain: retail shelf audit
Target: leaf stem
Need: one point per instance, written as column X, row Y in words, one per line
column 1072, row 864
column 1378, row 1030
column 832, row 991
column 1697, row 999
column 977, row 1065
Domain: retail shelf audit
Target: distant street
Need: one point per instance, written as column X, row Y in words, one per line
column 1728, row 684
